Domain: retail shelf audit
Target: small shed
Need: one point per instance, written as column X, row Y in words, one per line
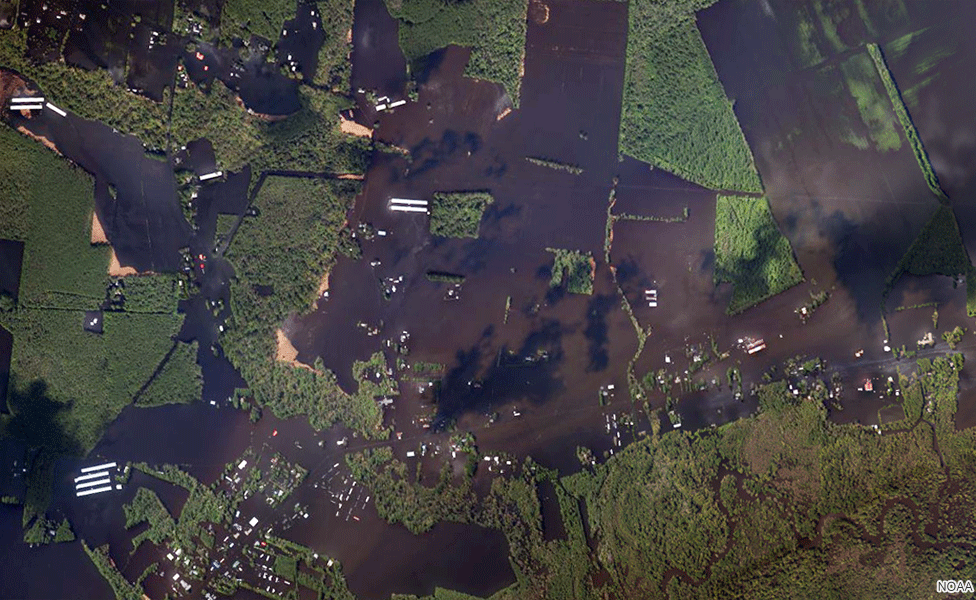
column 93, row 321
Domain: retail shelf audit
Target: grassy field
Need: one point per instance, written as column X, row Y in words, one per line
column 266, row 252
column 573, row 267
column 493, row 29
column 875, row 110
column 61, row 268
column 69, row 384
column 675, row 113
column 751, row 253
column 458, row 214
column 901, row 111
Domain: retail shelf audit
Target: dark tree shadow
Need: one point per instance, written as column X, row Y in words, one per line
column 37, row 419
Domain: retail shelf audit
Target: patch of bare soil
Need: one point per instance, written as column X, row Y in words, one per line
column 11, row 85
column 115, row 269
column 354, row 128
column 32, row 135
column 287, row 353
column 97, row 231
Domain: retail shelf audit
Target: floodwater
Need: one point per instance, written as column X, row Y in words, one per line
column 377, row 61
column 28, row 571
column 11, row 260
column 524, row 365
column 144, row 223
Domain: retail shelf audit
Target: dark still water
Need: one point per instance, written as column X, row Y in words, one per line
column 29, row 572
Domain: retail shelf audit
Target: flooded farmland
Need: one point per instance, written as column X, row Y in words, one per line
column 532, row 369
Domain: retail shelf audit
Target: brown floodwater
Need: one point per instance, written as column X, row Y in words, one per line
column 527, row 378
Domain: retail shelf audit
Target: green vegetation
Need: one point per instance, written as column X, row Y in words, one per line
column 40, row 481
column 675, row 113
column 443, row 277
column 971, row 291
column 751, row 253
column 61, row 268
column 243, row 18
column 203, row 505
column 123, row 589
column 439, row 594
column 458, row 214
column 938, row 250
column 158, row 293
column 875, row 113
column 953, row 337
column 178, row 381
column 67, row 384
column 309, row 140
column 653, row 218
column 64, row 533
column 906, row 121
column 77, row 382
column 44, row 531
column 146, row 507
column 556, row 165
column 578, row 269
column 782, row 499
column 311, row 570
column 334, row 66
column 556, row 569
column 265, row 252
column 421, row 367
column 225, row 223
column 89, row 94
column 493, row 29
